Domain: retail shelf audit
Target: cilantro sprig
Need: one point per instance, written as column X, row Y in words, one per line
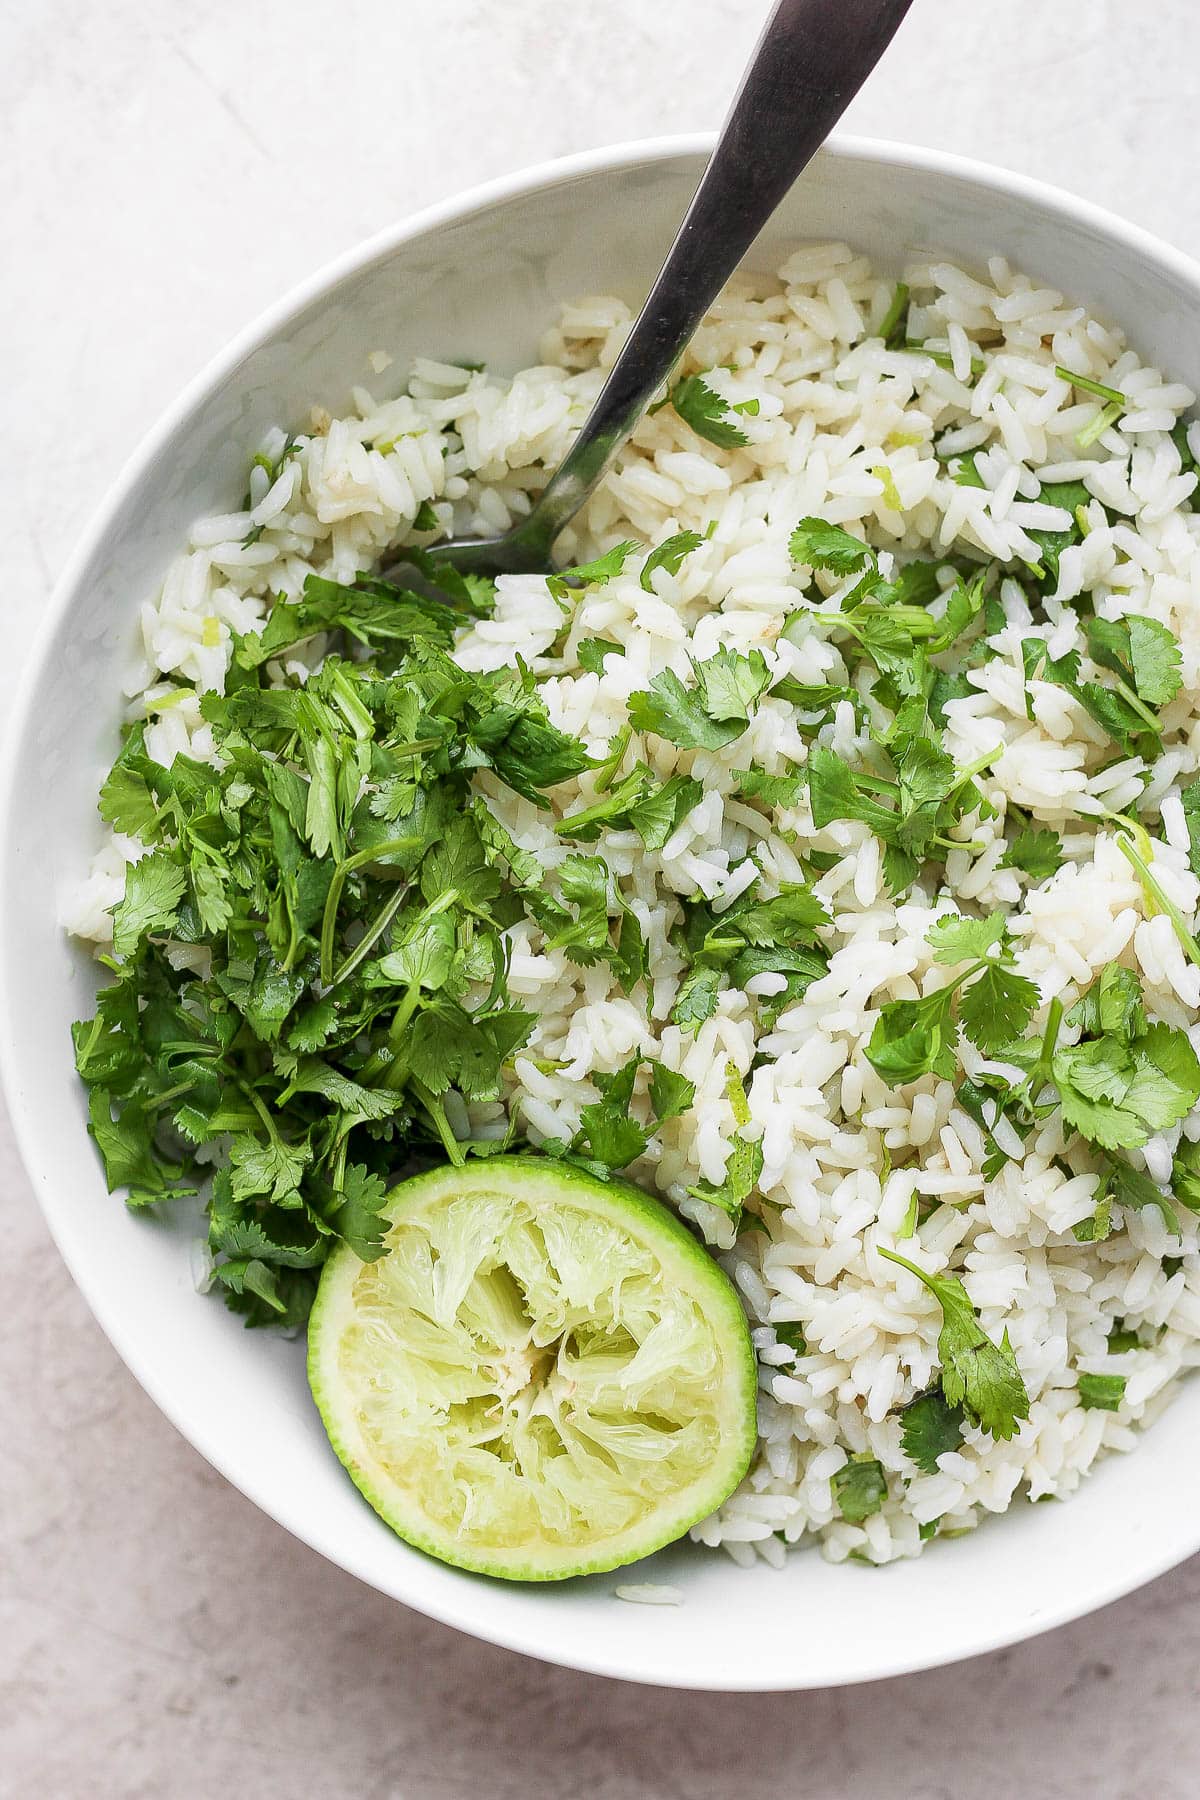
column 988, row 1000
column 709, row 416
column 609, row 1136
column 980, row 1376
column 713, row 711
column 1143, row 659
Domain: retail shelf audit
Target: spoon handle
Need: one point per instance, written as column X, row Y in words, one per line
column 810, row 61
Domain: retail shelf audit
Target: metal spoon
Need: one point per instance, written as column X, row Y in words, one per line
column 810, row 61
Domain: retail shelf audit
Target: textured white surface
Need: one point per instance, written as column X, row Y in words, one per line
column 169, row 169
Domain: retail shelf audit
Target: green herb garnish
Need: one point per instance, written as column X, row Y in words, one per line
column 977, row 1374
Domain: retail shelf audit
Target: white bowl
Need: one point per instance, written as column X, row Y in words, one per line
column 481, row 276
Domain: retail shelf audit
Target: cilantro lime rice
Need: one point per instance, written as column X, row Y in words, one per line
column 823, row 856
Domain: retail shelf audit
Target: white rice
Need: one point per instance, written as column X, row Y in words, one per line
column 834, row 406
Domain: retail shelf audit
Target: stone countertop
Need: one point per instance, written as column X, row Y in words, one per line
column 169, row 170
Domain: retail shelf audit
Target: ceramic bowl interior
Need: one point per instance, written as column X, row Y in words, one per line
column 480, row 278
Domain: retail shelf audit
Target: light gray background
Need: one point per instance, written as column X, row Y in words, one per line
column 169, row 169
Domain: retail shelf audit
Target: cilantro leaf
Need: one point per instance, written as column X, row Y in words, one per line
column 744, row 1163
column 1103, row 1393
column 597, row 573
column 731, row 684
column 1117, row 1090
column 912, row 1038
column 711, row 714
column 1112, row 1006
column 1125, row 1186
column 129, row 1152
column 583, row 881
column 1185, row 1175
column 611, row 1136
column 270, row 1168
column 355, row 1214
column 671, row 1094
column 833, row 794
column 1139, row 650
column 957, row 940
column 859, row 1488
column 658, row 814
column 1036, row 851
column 153, row 889
column 669, row 555
column 977, row 1374
column 929, row 1428
column 696, row 999
column 613, row 809
column 1190, row 800
column 772, row 790
column 997, row 1007
column 525, row 749
column 706, row 412
column 591, row 652
column 1068, row 497
column 133, row 789
column 815, row 544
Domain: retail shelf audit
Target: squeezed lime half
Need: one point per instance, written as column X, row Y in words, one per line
column 545, row 1375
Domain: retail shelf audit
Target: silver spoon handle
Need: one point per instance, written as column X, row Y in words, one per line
column 810, row 61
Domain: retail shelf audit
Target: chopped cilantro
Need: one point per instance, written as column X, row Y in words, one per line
column 988, row 999
column 893, row 327
column 1036, row 851
column 887, row 481
column 744, row 1163
column 669, row 555
column 591, row 652
column 859, row 1488
column 792, row 1336
column 929, row 1428
column 711, row 713
column 977, row 1374
column 706, row 412
column 1102, row 1393
column 596, row 573
column 817, row 545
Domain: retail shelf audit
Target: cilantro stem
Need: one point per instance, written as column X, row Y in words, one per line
column 962, row 776
column 1138, row 706
column 351, row 708
column 1095, row 428
column 403, row 1014
column 371, row 937
column 1041, row 1072
column 1050, row 1036
column 897, row 307
column 606, row 772
column 943, row 358
column 1087, row 386
column 262, row 1111
column 441, row 1124
column 1156, row 893
column 343, row 872
column 169, row 1094
column 973, row 845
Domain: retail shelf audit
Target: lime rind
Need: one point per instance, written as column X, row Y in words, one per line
column 545, row 1376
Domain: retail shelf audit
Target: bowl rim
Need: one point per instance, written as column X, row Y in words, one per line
column 460, row 1611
